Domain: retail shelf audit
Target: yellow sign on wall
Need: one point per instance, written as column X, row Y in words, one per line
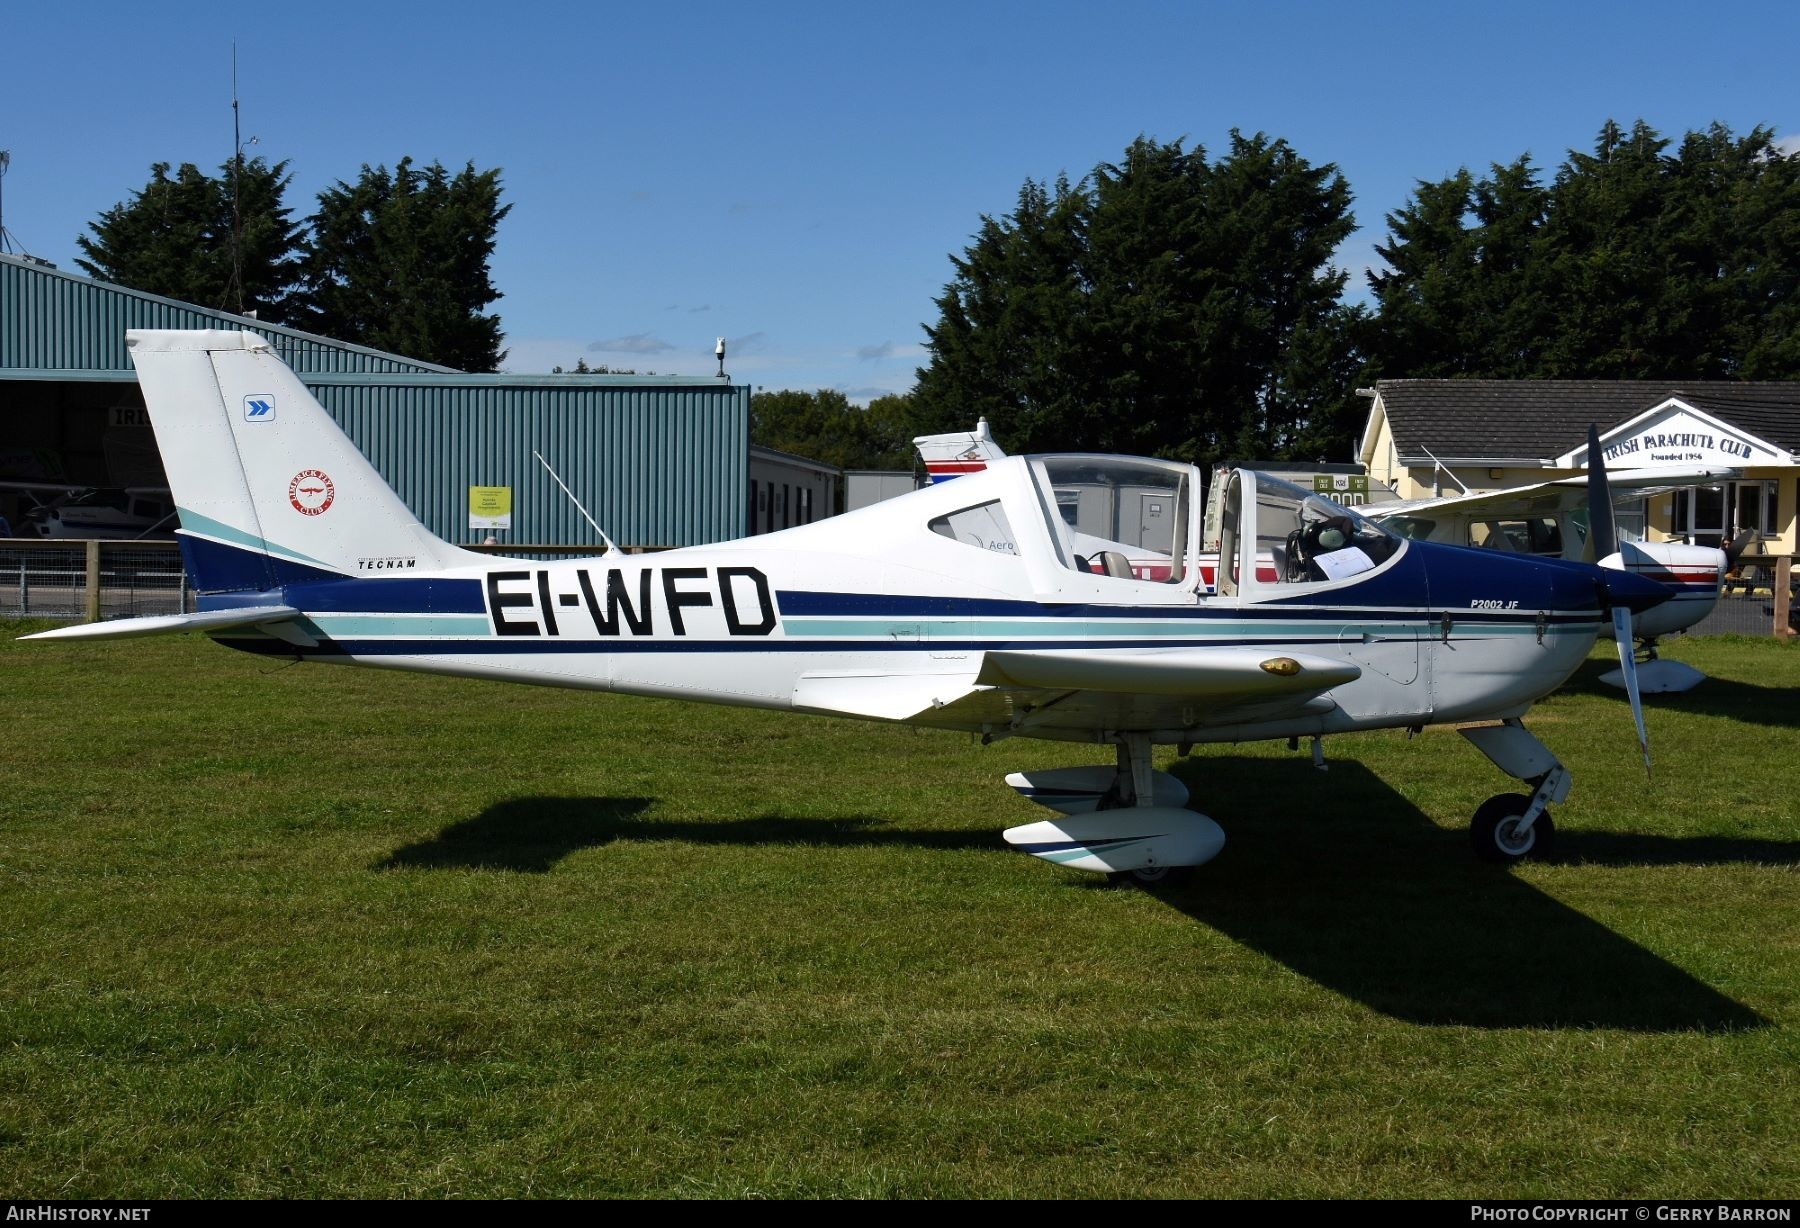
column 490, row 507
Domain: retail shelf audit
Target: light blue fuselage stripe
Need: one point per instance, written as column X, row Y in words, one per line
column 206, row 526
column 411, row 626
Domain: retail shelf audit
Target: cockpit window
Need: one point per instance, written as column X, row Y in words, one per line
column 1117, row 517
column 983, row 526
column 1539, row 535
column 1309, row 538
column 1418, row 528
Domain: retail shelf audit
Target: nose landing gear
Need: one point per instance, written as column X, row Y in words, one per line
column 1510, row 827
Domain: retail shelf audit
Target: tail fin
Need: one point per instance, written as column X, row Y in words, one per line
column 270, row 491
column 955, row 453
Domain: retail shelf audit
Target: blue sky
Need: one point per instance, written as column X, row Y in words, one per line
column 794, row 176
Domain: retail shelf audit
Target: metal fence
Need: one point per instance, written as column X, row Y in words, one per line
column 1739, row 614
column 91, row 580
column 1757, row 598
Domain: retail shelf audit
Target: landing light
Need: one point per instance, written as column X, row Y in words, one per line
column 1287, row 667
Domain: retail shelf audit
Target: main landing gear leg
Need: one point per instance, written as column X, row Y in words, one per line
column 1509, row 827
column 1134, row 786
column 1131, row 824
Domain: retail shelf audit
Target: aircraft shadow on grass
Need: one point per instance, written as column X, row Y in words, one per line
column 532, row 834
column 1347, row 883
column 1338, row 878
column 1777, row 707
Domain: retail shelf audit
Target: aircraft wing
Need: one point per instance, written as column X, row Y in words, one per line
column 169, row 624
column 1562, row 495
column 1147, row 688
column 54, row 488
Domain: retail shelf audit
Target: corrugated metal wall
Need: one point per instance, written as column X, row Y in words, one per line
column 54, row 320
column 659, row 461
column 657, row 466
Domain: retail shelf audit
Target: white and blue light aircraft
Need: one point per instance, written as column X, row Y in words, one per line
column 965, row 605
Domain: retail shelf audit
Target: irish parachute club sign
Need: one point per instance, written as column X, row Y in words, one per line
column 1675, row 434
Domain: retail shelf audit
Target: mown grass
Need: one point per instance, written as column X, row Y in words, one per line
column 305, row 931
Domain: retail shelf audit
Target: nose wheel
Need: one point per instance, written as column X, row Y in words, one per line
column 1499, row 832
column 1510, row 827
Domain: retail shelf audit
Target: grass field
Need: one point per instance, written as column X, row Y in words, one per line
column 306, row 931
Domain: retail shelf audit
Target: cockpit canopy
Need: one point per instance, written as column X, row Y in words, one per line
column 1295, row 536
column 1118, row 516
column 1093, row 518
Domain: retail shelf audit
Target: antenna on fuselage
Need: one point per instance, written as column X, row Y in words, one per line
column 611, row 547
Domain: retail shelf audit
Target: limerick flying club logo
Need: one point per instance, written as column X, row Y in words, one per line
column 259, row 407
column 311, row 492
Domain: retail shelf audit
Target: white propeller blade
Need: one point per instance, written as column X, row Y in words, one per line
column 1621, row 617
column 1603, row 541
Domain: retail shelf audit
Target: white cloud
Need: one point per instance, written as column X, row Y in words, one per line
column 886, row 350
column 1789, row 145
column 636, row 343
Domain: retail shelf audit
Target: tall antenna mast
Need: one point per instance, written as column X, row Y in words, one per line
column 234, row 290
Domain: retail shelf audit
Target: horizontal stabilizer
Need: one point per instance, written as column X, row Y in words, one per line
column 170, row 624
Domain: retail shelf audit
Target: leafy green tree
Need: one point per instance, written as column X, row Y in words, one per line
column 1746, row 258
column 1636, row 262
column 1609, row 260
column 1007, row 335
column 1166, row 304
column 1293, row 344
column 825, row 426
column 399, row 261
column 887, row 427
column 175, row 238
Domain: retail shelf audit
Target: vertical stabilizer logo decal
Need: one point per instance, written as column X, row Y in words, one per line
column 259, row 407
column 311, row 492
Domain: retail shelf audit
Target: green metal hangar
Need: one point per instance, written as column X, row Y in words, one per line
column 658, row 460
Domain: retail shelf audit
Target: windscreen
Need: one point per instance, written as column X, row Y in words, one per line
column 1116, row 517
column 1310, row 539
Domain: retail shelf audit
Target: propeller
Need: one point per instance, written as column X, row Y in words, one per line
column 1739, row 543
column 1603, row 541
